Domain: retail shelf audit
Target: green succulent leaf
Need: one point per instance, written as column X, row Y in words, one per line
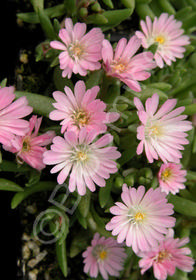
column 39, row 187
column 183, row 206
column 104, row 192
column 41, row 104
column 115, row 17
column 7, row 185
column 61, row 254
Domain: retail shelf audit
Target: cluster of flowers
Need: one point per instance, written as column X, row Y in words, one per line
column 85, row 153
column 143, row 220
column 20, row 136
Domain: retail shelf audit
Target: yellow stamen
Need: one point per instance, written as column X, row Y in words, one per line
column 166, row 174
column 102, row 255
column 160, row 39
column 82, row 155
column 81, row 118
column 154, row 130
column 139, row 216
column 26, row 145
column 119, row 67
column 163, row 255
column 75, row 51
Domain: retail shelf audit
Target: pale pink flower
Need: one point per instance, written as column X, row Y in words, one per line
column 80, row 51
column 124, row 65
column 11, row 114
column 162, row 133
column 171, row 178
column 141, row 219
column 87, row 159
column 104, row 255
column 165, row 31
column 31, row 146
column 81, row 109
column 166, row 257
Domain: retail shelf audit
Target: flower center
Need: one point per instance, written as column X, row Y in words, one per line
column 82, row 155
column 163, row 255
column 75, row 51
column 102, row 255
column 160, row 39
column 26, row 145
column 136, row 216
column 99, row 252
column 153, row 130
column 118, row 67
column 166, row 174
column 81, row 118
column 139, row 216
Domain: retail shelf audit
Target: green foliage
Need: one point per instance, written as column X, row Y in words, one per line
column 73, row 220
column 7, row 185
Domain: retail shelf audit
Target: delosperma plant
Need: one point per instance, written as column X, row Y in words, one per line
column 116, row 149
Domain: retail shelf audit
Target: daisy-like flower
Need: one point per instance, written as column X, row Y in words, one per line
column 166, row 32
column 81, row 109
column 162, row 133
column 104, row 255
column 30, row 147
column 125, row 65
column 141, row 219
column 80, row 51
column 87, row 159
column 171, row 178
column 167, row 256
column 11, row 114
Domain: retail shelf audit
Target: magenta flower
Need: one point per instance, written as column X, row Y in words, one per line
column 162, row 133
column 141, row 219
column 166, row 257
column 105, row 256
column 171, row 178
column 81, row 109
column 124, row 65
column 11, row 114
column 80, row 52
column 30, row 147
column 87, row 160
column 165, row 31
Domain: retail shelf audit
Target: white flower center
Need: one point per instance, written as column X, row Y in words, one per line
column 80, row 154
column 153, row 130
column 75, row 51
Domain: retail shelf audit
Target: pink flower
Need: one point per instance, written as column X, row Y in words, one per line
column 81, row 109
column 165, row 31
column 105, row 256
column 124, row 65
column 166, row 257
column 80, row 52
column 171, row 178
column 162, row 133
column 11, row 114
column 141, row 219
column 87, row 160
column 30, row 148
